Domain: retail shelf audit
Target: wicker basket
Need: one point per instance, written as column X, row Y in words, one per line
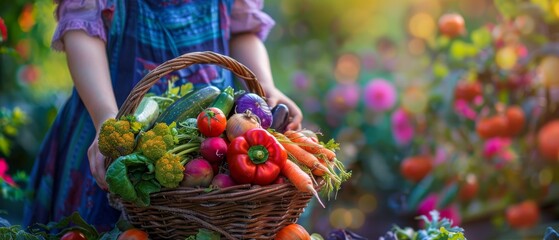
column 238, row 212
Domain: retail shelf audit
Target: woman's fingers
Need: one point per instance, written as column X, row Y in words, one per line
column 97, row 165
column 296, row 115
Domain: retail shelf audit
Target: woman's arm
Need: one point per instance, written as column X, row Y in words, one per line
column 249, row 50
column 87, row 62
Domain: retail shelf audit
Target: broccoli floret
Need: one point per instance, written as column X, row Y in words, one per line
column 117, row 137
column 169, row 170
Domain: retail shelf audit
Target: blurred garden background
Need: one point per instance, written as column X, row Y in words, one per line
column 437, row 104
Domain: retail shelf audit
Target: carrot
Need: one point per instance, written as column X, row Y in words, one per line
column 305, row 158
column 301, row 180
column 309, row 145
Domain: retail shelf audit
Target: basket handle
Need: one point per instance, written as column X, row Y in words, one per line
column 184, row 61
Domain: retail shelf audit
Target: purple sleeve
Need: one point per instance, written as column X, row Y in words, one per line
column 247, row 16
column 78, row 15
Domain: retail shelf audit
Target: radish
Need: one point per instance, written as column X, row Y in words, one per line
column 197, row 173
column 213, row 149
column 223, row 180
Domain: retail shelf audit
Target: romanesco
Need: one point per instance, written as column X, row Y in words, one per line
column 117, row 137
column 157, row 141
column 169, row 170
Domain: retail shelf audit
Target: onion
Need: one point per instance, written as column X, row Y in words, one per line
column 257, row 105
column 239, row 123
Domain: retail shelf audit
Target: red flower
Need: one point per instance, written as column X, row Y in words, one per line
column 3, row 173
column 3, row 31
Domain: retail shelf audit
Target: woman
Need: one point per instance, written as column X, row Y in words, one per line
column 110, row 46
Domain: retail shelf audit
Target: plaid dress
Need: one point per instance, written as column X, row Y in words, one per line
column 140, row 34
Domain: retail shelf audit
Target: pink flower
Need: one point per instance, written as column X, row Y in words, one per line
column 380, row 95
column 301, row 81
column 504, row 157
column 3, row 31
column 495, row 146
column 440, row 156
column 3, row 172
column 402, row 127
column 451, row 212
column 343, row 97
column 463, row 109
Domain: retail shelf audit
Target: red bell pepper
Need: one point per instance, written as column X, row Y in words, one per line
column 256, row 157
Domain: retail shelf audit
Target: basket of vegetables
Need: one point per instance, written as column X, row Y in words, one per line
column 213, row 160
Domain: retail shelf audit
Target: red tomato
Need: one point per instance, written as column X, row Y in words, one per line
column 133, row 234
column 515, row 120
column 211, row 122
column 495, row 126
column 452, row 25
column 523, row 215
column 467, row 90
column 547, row 140
column 416, row 168
column 293, row 232
column 73, row 235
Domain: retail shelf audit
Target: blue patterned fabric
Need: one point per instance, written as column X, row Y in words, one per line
column 142, row 34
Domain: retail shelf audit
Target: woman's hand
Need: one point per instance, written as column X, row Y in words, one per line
column 248, row 49
column 97, row 163
column 275, row 96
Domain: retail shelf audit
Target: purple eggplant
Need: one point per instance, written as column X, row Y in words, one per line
column 280, row 115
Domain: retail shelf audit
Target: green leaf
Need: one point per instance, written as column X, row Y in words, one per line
column 111, row 235
column 144, row 189
column 459, row 50
column 481, row 37
column 205, row 234
column 4, row 145
column 126, row 177
column 316, row 236
column 420, row 191
column 440, row 70
column 507, row 8
column 448, row 195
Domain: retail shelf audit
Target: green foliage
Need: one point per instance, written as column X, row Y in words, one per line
column 10, row 123
column 132, row 177
column 204, row 234
column 436, row 228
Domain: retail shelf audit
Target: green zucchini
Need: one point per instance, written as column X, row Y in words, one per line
column 225, row 100
column 147, row 112
column 189, row 105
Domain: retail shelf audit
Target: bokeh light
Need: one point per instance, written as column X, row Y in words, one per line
column 525, row 24
column 415, row 99
column 26, row 18
column 357, row 218
column 545, row 176
column 506, row 57
column 547, row 71
column 367, row 203
column 416, row 46
column 340, row 218
column 422, row 25
column 347, row 68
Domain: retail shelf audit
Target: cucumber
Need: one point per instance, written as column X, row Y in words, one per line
column 225, row 100
column 147, row 112
column 189, row 105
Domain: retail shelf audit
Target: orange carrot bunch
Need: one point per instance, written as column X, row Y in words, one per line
column 312, row 155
